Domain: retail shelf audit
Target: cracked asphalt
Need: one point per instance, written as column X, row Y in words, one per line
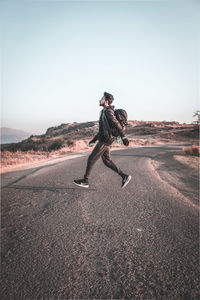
column 59, row 241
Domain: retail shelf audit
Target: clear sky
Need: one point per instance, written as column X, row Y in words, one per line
column 58, row 57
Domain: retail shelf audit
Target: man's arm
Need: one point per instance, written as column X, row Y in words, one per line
column 113, row 122
column 96, row 137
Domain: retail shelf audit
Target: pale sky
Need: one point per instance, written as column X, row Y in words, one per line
column 58, row 57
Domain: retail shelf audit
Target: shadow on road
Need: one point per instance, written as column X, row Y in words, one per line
column 133, row 155
column 46, row 188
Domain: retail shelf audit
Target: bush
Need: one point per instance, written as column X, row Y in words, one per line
column 50, row 129
column 10, row 147
column 45, row 148
column 194, row 150
column 70, row 143
column 56, row 145
column 30, row 145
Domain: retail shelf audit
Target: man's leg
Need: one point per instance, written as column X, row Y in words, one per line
column 104, row 151
column 94, row 156
column 109, row 163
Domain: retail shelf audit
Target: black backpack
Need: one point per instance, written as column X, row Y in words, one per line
column 122, row 117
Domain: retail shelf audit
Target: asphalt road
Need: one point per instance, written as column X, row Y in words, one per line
column 60, row 241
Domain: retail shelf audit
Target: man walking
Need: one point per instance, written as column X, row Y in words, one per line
column 108, row 126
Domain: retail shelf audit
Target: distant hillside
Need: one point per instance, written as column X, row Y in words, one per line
column 9, row 135
column 66, row 134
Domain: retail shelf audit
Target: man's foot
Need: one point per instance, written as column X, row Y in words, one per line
column 126, row 180
column 82, row 182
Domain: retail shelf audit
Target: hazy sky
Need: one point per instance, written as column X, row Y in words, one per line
column 58, row 57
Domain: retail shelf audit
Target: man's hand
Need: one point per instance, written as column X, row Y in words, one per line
column 125, row 141
column 90, row 144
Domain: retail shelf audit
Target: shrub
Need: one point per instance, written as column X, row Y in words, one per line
column 45, row 148
column 56, row 145
column 194, row 150
column 50, row 129
column 70, row 143
column 13, row 147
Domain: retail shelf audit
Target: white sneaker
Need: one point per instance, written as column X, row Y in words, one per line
column 82, row 182
column 126, row 180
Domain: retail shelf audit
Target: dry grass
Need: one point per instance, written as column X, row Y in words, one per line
column 19, row 157
column 9, row 159
column 193, row 150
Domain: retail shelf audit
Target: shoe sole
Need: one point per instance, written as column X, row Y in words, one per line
column 81, row 185
column 128, row 180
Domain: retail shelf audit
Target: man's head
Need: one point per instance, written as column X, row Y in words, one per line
column 106, row 100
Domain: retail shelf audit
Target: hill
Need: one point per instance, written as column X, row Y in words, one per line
column 10, row 135
column 65, row 135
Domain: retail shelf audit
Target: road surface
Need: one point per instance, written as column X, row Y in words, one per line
column 60, row 241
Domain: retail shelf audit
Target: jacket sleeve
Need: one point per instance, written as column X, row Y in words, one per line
column 96, row 137
column 113, row 122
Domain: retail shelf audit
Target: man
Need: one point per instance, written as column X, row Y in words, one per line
column 108, row 124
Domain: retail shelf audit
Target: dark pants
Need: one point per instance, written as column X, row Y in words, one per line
column 102, row 150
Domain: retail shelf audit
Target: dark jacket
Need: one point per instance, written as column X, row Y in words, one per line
column 109, row 126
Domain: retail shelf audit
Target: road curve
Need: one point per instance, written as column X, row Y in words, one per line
column 60, row 241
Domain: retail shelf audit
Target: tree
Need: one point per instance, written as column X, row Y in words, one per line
column 197, row 116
